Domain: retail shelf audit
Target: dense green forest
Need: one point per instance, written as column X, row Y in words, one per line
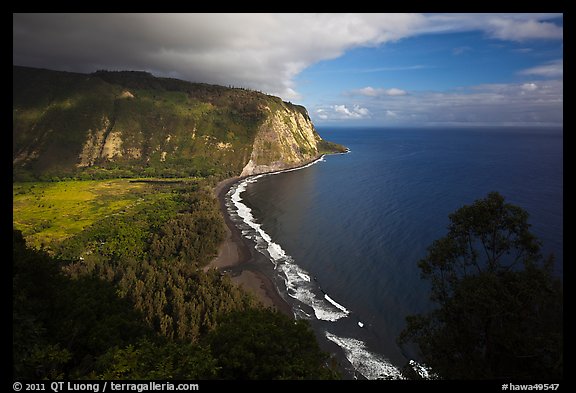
column 153, row 254
column 127, row 298
column 114, row 221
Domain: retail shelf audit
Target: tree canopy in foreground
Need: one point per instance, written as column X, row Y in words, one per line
column 72, row 324
column 499, row 313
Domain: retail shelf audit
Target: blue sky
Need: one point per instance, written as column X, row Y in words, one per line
column 347, row 69
column 381, row 85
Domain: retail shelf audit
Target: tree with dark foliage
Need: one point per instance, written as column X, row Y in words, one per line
column 265, row 344
column 499, row 312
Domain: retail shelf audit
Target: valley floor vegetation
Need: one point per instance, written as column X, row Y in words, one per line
column 108, row 283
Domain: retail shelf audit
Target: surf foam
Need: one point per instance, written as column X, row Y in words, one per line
column 337, row 305
column 300, row 286
column 297, row 280
column 371, row 365
column 423, row 371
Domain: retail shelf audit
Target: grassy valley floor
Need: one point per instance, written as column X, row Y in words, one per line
column 48, row 213
column 122, row 288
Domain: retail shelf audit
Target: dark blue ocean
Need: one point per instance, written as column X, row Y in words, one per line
column 345, row 234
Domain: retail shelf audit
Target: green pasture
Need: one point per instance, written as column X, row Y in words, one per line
column 50, row 212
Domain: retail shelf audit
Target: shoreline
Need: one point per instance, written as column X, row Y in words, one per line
column 236, row 256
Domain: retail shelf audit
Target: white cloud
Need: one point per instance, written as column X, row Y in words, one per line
column 342, row 112
column 370, row 91
column 553, row 69
column 509, row 27
column 260, row 51
column 395, row 92
column 529, row 86
column 321, row 114
column 538, row 102
column 514, row 30
column 363, row 112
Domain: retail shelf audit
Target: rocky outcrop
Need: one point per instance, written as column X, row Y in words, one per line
column 103, row 143
column 286, row 139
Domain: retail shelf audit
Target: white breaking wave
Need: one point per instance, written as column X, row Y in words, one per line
column 301, row 289
column 337, row 305
column 299, row 286
column 297, row 280
column 423, row 371
column 371, row 365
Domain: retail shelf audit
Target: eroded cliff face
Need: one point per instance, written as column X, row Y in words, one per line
column 134, row 124
column 286, row 139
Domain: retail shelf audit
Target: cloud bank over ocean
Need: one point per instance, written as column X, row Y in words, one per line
column 272, row 53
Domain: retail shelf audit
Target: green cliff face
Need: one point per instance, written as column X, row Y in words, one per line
column 110, row 124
